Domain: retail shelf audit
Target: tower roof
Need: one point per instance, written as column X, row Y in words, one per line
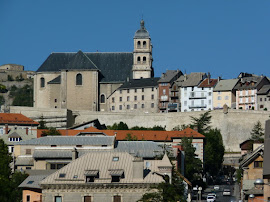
column 142, row 33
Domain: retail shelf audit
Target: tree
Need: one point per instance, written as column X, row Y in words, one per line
column 202, row 123
column 22, row 96
column 180, row 127
column 9, row 182
column 213, row 152
column 193, row 165
column 130, row 137
column 257, row 133
column 118, row 126
column 42, row 123
column 51, row 132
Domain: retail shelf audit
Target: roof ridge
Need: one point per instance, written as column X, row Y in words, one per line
column 90, row 60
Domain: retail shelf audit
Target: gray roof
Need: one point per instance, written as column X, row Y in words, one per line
column 70, row 140
column 193, row 79
column 169, row 76
column 33, row 181
column 241, row 85
column 17, row 133
column 14, row 134
column 142, row 33
column 114, row 67
column 145, row 149
column 140, row 83
column 251, row 156
column 24, row 161
column 104, row 163
column 55, row 153
column 226, row 85
column 264, row 90
column 56, row 80
column 180, row 80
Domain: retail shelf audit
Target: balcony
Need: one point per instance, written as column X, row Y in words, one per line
column 174, row 95
column 164, row 98
column 197, row 97
column 197, row 106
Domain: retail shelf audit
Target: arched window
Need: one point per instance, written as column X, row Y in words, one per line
column 102, row 98
column 139, row 59
column 144, row 44
column 138, row 44
column 79, row 79
column 42, row 82
column 144, row 59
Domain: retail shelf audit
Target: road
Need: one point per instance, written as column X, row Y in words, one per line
column 235, row 193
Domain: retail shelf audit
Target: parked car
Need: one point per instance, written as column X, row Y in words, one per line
column 210, row 199
column 213, row 194
column 226, row 192
column 216, row 187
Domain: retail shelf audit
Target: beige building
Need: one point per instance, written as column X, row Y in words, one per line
column 107, row 177
column 136, row 95
column 224, row 93
column 84, row 81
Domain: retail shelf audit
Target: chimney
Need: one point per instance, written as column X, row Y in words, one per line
column 6, row 129
column 219, row 78
column 74, row 154
column 208, row 76
column 185, row 77
column 138, row 168
column 26, row 131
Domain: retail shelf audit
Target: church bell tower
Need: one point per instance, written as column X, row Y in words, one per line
column 142, row 54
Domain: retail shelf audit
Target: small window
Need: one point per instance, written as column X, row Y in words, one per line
column 138, row 60
column 79, row 145
column 152, row 88
column 219, row 97
column 115, row 158
column 144, row 44
column 113, row 108
column 127, row 90
column 135, row 106
column 28, row 168
column 152, row 97
column 87, row 199
column 28, row 198
column 209, row 93
column 53, row 145
column 75, row 176
column 62, row 175
column 142, row 97
column 42, row 82
column 120, row 91
column 128, row 106
column 30, row 182
column 135, row 97
column 152, row 105
column 142, row 105
column 55, row 100
column 138, row 44
column 28, row 151
column 142, row 89
column 58, row 198
column 115, row 178
column 79, row 79
column 264, row 99
column 258, row 164
column 260, row 99
column 144, row 59
column 116, row 198
column 102, row 98
column 120, row 99
column 135, row 90
column 127, row 98
column 120, row 107
column 112, row 99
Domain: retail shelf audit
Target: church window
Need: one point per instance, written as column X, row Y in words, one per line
column 144, row 44
column 102, row 98
column 138, row 60
column 144, row 59
column 79, row 79
column 138, row 44
column 42, row 82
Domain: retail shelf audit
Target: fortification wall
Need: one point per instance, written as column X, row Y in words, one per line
column 235, row 126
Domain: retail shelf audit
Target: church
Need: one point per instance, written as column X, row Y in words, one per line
column 84, row 81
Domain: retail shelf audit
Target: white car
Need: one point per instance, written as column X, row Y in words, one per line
column 211, row 199
column 226, row 192
column 212, row 194
column 216, row 187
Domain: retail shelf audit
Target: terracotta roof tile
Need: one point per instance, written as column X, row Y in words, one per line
column 205, row 83
column 18, row 119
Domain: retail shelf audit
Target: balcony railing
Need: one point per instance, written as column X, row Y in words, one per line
column 197, row 97
column 197, row 106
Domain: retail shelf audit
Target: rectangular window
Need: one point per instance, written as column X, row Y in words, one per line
column 219, row 97
column 27, row 198
column 127, row 98
column 120, row 107
column 209, row 102
column 120, row 99
column 261, row 99
column 135, row 97
column 28, row 151
column 127, row 90
column 209, row 93
column 264, row 99
column 142, row 97
column 128, row 106
column 135, row 106
column 152, row 97
column 58, row 198
column 116, row 198
column 120, row 91
column 87, row 199
column 219, row 93
column 113, row 108
column 258, row 164
column 185, row 103
column 112, row 99
column 142, row 89
column 55, row 100
column 185, row 88
column 142, row 105
column 152, row 88
column 135, row 90
column 152, row 105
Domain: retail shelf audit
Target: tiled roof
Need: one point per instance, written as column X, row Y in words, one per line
column 169, row 75
column 193, row 79
column 64, row 140
column 114, row 67
column 250, row 82
column 16, row 119
column 205, row 84
column 226, row 85
column 103, row 162
column 264, row 90
column 140, row 83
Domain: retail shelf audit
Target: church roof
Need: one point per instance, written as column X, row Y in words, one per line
column 140, row 83
column 142, row 33
column 114, row 67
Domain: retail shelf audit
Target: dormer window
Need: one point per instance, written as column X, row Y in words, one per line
column 91, row 175
column 116, row 174
column 62, row 175
column 115, row 158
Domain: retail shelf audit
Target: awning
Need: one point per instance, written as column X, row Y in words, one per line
column 118, row 172
column 91, row 172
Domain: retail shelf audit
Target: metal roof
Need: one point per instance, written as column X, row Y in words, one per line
column 142, row 33
column 32, row 181
column 24, row 161
column 140, row 83
column 264, row 90
column 169, row 76
column 70, row 140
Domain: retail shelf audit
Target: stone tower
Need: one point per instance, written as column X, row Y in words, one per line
column 142, row 54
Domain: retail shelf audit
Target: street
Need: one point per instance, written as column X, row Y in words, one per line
column 235, row 193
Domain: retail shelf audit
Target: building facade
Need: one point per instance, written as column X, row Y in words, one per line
column 263, row 97
column 83, row 81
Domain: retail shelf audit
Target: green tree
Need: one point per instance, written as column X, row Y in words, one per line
column 51, row 132
column 16, row 180
column 118, row 126
column 257, row 133
column 213, row 152
column 2, row 100
column 180, row 127
column 22, row 96
column 130, row 137
column 42, row 123
column 193, row 165
column 202, row 123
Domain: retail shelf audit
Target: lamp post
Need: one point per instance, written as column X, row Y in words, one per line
column 251, row 196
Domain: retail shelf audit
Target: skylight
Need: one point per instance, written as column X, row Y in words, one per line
column 30, row 182
column 116, row 158
column 62, row 175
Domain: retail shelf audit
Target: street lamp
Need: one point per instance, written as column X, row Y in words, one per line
column 252, row 196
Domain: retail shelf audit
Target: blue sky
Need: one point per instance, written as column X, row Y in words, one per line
column 223, row 37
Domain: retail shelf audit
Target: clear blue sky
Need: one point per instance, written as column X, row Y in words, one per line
column 223, row 37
